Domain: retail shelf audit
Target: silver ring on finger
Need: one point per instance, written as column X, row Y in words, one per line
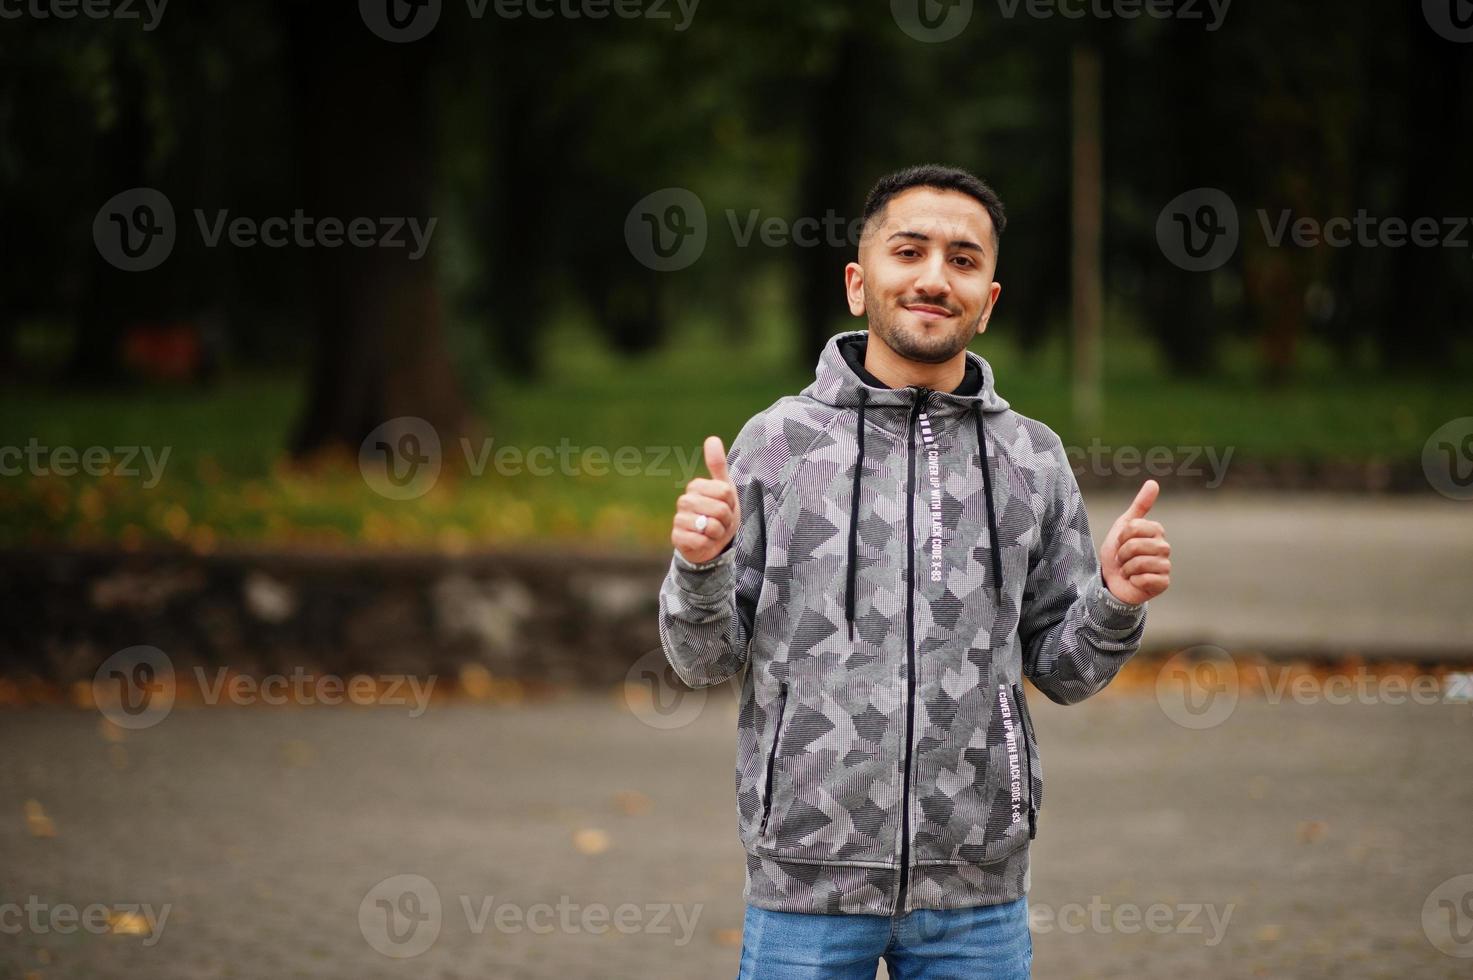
column 701, row 521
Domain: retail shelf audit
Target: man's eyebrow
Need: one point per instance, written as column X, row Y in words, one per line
column 923, row 237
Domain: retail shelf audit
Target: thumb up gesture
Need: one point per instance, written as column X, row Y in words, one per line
column 1135, row 556
column 707, row 514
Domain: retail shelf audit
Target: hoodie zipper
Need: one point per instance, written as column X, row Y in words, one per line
column 777, row 732
column 922, row 396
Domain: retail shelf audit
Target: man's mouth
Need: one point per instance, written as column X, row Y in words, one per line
column 927, row 311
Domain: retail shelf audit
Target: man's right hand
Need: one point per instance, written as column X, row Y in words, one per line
column 716, row 498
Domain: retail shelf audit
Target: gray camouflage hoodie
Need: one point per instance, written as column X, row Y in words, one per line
column 889, row 587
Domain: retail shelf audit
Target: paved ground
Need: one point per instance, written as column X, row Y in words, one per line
column 1308, row 839
column 1308, row 572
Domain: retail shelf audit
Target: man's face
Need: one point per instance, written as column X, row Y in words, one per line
column 924, row 275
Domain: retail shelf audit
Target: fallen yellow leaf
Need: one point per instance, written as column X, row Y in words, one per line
column 632, row 801
column 37, row 821
column 1312, row 830
column 127, row 924
column 476, row 681
column 591, row 840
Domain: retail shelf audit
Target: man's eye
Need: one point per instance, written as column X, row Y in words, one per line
column 964, row 259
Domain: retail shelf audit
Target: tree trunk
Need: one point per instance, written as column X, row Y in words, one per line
column 826, row 185
column 1088, row 220
column 367, row 144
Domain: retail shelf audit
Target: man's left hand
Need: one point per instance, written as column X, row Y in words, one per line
column 1135, row 557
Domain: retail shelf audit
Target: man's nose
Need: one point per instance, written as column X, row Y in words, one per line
column 931, row 280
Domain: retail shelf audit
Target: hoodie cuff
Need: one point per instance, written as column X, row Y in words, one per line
column 707, row 579
column 1110, row 615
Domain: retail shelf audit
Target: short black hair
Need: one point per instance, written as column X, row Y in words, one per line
column 941, row 178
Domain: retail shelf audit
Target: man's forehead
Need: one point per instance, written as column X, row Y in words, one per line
column 939, row 214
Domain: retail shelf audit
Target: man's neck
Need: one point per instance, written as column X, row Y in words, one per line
column 901, row 372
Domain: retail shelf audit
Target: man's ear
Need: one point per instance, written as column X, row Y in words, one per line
column 995, row 292
column 854, row 287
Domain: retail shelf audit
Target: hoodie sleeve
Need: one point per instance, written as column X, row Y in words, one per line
column 707, row 610
column 1076, row 634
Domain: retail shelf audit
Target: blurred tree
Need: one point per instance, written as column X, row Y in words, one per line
column 1164, row 136
column 532, row 139
column 367, row 142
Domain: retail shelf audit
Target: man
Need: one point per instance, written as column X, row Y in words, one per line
column 890, row 553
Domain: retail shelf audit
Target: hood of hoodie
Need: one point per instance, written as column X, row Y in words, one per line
column 836, row 383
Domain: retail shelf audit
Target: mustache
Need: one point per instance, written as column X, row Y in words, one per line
column 924, row 301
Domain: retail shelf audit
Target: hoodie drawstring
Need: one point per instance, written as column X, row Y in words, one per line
column 987, row 493
column 854, row 512
column 995, row 551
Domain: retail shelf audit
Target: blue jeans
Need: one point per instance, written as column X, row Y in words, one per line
column 991, row 942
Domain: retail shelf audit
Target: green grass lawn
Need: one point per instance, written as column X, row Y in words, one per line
column 227, row 481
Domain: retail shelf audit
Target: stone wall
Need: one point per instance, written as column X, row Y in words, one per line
column 556, row 616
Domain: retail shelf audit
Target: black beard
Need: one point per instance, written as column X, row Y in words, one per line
column 902, row 342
